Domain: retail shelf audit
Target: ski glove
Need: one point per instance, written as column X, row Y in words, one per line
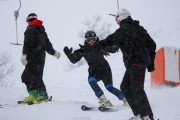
column 67, row 51
column 150, row 67
column 23, row 59
column 57, row 54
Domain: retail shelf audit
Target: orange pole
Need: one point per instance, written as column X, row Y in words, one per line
column 179, row 66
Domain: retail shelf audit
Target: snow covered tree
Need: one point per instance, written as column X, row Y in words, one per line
column 96, row 24
column 6, row 68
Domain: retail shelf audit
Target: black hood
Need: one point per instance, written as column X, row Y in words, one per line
column 129, row 20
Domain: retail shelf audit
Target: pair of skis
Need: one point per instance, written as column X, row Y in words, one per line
column 20, row 103
column 102, row 109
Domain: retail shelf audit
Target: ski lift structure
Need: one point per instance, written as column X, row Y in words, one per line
column 16, row 15
column 117, row 8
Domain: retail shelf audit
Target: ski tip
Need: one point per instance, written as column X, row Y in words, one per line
column 83, row 107
column 20, row 102
column 50, row 98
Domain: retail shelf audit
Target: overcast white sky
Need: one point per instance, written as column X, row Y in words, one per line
column 63, row 21
column 63, row 18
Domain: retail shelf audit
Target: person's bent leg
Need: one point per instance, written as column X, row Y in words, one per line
column 103, row 101
column 117, row 93
column 114, row 91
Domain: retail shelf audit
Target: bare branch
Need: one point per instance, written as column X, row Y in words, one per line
column 6, row 68
column 102, row 29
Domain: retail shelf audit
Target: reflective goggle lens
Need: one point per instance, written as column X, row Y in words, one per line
column 91, row 38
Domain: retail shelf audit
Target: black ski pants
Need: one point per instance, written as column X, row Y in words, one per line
column 32, row 76
column 132, row 87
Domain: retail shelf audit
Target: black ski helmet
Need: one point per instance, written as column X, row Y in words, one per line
column 31, row 17
column 90, row 33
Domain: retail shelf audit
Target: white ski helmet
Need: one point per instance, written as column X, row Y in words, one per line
column 122, row 14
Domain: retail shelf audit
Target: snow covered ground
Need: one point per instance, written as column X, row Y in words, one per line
column 72, row 91
column 70, row 88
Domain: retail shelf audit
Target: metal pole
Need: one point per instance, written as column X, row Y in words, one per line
column 19, row 5
column 16, row 14
column 118, row 4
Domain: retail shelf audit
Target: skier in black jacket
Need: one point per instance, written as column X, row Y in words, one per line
column 138, row 50
column 36, row 43
column 99, row 68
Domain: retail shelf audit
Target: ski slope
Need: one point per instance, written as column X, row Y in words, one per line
column 69, row 87
column 72, row 91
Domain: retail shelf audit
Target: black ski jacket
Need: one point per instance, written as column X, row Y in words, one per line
column 135, row 43
column 94, row 55
column 36, row 43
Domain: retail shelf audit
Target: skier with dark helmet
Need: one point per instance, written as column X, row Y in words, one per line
column 36, row 44
column 99, row 68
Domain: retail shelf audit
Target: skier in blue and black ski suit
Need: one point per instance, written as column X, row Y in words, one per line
column 99, row 68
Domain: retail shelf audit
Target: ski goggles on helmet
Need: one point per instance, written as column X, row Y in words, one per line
column 91, row 39
column 30, row 17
